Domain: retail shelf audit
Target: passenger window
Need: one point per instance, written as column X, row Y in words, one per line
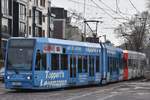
column 108, row 62
column 55, row 62
column 72, row 66
column 44, row 62
column 40, row 61
column 85, row 66
column 91, row 67
column 64, row 62
column 97, row 64
column 80, row 64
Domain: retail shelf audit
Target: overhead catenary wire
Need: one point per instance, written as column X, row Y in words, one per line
column 105, row 11
column 125, row 18
column 118, row 9
column 134, row 6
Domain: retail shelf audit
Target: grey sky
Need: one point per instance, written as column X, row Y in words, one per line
column 109, row 23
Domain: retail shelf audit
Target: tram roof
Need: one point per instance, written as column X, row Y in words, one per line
column 62, row 42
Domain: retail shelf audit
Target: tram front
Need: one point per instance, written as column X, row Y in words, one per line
column 18, row 63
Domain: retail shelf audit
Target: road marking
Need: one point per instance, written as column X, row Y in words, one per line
column 90, row 93
column 109, row 96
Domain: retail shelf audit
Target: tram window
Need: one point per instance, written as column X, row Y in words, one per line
column 108, row 62
column 38, row 60
column 97, row 64
column 71, row 69
column 91, row 67
column 80, row 64
column 44, row 65
column 111, row 64
column 85, row 65
column 64, row 62
column 72, row 66
column 55, row 61
column 117, row 63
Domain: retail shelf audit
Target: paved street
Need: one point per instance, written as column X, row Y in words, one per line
column 131, row 90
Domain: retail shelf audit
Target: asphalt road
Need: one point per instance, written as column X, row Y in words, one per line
column 128, row 90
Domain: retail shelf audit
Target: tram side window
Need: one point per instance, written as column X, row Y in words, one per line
column 97, row 64
column 108, row 62
column 111, row 64
column 44, row 62
column 80, row 64
column 40, row 61
column 64, row 62
column 72, row 66
column 91, row 67
column 85, row 65
column 55, row 62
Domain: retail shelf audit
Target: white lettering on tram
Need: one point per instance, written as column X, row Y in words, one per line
column 54, row 75
column 55, row 83
column 54, row 79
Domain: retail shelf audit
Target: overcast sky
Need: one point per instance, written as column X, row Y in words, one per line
column 124, row 10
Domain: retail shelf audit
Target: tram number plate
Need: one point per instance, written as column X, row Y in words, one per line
column 16, row 83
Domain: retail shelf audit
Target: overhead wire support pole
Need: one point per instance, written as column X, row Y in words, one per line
column 84, row 36
column 0, row 29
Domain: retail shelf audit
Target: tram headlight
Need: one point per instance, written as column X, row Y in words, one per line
column 8, row 77
column 29, row 77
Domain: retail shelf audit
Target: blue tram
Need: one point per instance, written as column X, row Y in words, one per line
column 46, row 63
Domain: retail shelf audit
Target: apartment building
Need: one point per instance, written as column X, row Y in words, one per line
column 20, row 18
column 6, row 23
column 38, row 19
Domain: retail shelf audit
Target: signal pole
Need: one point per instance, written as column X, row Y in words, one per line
column 0, row 30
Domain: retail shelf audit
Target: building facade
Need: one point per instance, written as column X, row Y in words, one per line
column 38, row 19
column 24, row 18
column 62, row 26
column 6, row 23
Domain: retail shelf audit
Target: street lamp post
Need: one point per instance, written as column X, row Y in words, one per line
column 0, row 29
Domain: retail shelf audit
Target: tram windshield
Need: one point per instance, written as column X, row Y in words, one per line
column 20, row 54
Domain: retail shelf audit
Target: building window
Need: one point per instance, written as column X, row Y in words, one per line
column 38, row 31
column 43, row 33
column 6, row 7
column 43, row 18
column 6, row 27
column 38, row 17
column 22, row 12
column 22, row 29
column 42, row 3
column 29, row 30
column 30, row 13
column 36, row 2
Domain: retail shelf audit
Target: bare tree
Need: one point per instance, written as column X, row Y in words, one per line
column 135, row 31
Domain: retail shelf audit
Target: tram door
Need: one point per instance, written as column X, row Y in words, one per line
column 91, row 68
column 40, row 67
column 73, row 68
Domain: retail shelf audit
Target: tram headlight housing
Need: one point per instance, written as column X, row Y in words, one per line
column 29, row 77
column 8, row 77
